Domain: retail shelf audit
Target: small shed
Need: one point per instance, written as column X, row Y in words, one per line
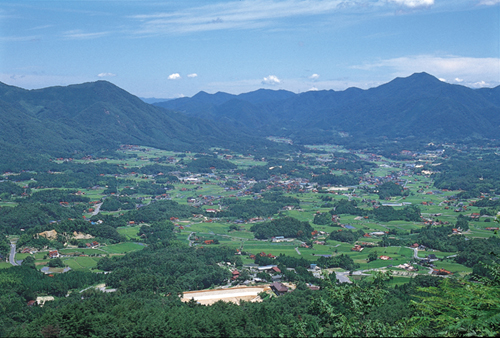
column 279, row 288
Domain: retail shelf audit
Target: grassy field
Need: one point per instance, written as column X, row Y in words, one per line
column 81, row 263
column 275, row 249
column 130, row 232
column 75, row 259
column 4, row 265
column 122, row 248
column 80, row 251
column 453, row 267
column 439, row 254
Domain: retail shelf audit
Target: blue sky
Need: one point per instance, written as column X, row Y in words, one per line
column 171, row 49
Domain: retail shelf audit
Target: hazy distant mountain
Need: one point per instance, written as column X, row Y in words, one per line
column 205, row 105
column 152, row 100
column 417, row 106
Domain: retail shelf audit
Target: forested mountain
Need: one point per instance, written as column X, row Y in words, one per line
column 417, row 106
column 93, row 116
column 204, row 104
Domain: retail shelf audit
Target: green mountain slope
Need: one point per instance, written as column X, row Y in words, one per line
column 90, row 117
column 93, row 116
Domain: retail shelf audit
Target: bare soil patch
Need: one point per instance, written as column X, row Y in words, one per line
column 233, row 295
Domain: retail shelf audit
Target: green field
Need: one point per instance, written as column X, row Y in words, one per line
column 81, row 263
column 453, row 267
column 5, row 265
column 310, row 204
column 81, row 251
column 122, row 248
column 130, row 232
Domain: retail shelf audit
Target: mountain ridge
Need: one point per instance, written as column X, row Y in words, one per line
column 99, row 115
column 96, row 115
column 419, row 105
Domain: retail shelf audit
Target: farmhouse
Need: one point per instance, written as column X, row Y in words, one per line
column 441, row 272
column 279, row 288
column 269, row 268
column 279, row 239
column 275, row 269
column 236, row 275
column 357, row 248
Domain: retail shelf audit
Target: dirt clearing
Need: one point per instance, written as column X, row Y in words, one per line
column 234, row 295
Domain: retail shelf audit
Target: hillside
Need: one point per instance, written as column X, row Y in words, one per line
column 94, row 116
column 89, row 117
column 417, row 106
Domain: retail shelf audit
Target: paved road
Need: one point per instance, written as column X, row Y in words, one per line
column 12, row 257
column 96, row 209
column 297, row 249
column 189, row 239
column 342, row 277
column 415, row 254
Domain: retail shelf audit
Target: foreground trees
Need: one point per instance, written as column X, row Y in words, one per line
column 147, row 303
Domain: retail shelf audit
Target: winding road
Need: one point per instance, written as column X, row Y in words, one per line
column 12, row 256
column 189, row 239
column 96, row 209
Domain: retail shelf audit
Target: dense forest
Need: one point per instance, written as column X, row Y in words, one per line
column 287, row 227
column 147, row 304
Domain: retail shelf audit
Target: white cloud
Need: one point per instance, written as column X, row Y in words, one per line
column 105, row 74
column 314, row 77
column 489, row 2
column 442, row 80
column 192, row 75
column 414, row 3
column 313, row 89
column 246, row 14
column 80, row 35
column 20, row 38
column 271, row 80
column 174, row 76
column 480, row 84
column 459, row 80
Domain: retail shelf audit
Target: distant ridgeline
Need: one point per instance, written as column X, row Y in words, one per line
column 419, row 106
column 90, row 117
